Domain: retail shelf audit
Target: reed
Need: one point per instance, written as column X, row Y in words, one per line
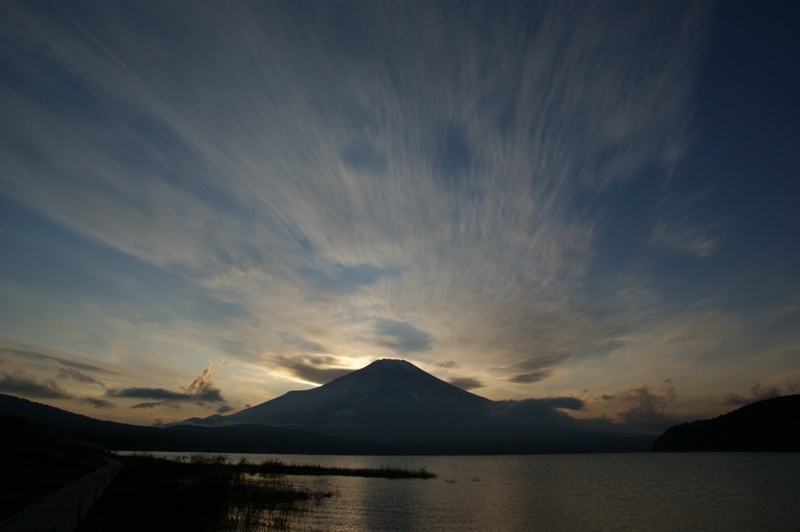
column 274, row 466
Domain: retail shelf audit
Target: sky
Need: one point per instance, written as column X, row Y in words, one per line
column 204, row 205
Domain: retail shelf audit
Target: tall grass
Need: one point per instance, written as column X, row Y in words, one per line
column 273, row 466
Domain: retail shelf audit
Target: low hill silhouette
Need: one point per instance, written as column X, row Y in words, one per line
column 769, row 425
column 46, row 422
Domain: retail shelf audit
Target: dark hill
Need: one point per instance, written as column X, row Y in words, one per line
column 769, row 425
column 47, row 422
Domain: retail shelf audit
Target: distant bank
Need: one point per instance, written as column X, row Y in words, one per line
column 769, row 425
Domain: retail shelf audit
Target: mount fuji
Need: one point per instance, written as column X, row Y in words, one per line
column 387, row 399
column 401, row 408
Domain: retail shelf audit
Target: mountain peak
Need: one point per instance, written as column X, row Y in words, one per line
column 392, row 364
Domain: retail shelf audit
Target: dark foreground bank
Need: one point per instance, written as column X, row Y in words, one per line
column 33, row 466
column 206, row 492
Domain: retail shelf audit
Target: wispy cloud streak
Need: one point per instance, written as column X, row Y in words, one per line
column 364, row 179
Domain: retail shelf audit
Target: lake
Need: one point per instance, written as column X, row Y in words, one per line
column 644, row 491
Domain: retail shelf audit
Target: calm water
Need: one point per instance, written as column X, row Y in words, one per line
column 714, row 491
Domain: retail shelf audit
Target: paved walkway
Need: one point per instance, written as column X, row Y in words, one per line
column 64, row 509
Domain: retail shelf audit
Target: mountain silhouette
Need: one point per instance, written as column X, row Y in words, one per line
column 395, row 401
column 768, row 425
column 386, row 399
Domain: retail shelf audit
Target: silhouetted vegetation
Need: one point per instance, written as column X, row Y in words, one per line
column 201, row 493
column 273, row 466
column 769, row 425
column 207, row 492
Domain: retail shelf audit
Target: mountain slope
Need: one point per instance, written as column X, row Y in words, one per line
column 769, row 425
